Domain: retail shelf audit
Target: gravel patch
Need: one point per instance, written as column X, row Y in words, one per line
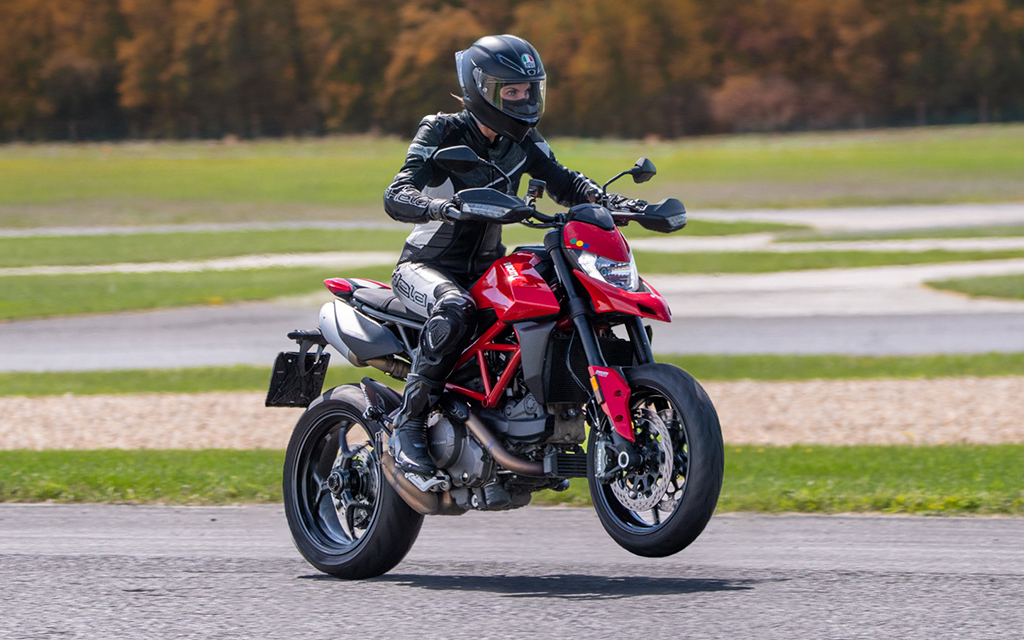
column 948, row 410
column 145, row 421
column 847, row 412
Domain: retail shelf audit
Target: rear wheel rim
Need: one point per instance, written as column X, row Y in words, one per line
column 648, row 521
column 338, row 482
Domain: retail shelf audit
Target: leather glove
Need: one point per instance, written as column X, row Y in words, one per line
column 622, row 203
column 444, row 210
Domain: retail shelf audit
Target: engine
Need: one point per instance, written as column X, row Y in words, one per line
column 523, row 425
column 524, row 421
column 454, row 450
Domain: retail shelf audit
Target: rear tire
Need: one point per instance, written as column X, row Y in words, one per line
column 664, row 400
column 345, row 519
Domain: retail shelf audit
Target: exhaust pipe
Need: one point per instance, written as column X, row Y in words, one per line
column 430, row 503
column 397, row 369
column 426, row 502
column 500, row 454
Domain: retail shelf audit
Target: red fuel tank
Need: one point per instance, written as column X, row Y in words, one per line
column 515, row 290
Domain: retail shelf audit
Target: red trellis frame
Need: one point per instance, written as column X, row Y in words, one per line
column 485, row 343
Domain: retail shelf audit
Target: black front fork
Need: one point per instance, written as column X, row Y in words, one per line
column 578, row 309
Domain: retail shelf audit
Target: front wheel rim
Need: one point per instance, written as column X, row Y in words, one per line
column 675, row 483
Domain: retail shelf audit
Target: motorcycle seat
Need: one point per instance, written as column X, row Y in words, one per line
column 384, row 300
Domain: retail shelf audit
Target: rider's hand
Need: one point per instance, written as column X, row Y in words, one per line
column 444, row 210
column 622, row 203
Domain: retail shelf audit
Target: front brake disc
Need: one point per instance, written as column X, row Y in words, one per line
column 642, row 488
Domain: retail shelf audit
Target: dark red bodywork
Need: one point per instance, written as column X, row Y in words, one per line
column 587, row 237
column 606, row 298
column 515, row 290
column 612, row 392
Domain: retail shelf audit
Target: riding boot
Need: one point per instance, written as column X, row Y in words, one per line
column 410, row 426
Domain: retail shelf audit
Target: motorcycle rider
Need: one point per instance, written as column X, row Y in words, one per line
column 503, row 91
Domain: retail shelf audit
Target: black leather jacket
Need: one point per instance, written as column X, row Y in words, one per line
column 464, row 250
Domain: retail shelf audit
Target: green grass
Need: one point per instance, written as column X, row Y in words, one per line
column 703, row 367
column 933, row 164
column 991, row 231
column 188, row 380
column 837, row 367
column 941, row 480
column 715, row 228
column 44, row 296
column 163, row 247
column 938, row 480
column 214, row 476
column 352, row 170
column 1010, row 287
column 650, row 262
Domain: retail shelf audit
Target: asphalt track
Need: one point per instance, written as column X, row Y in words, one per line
column 111, row 572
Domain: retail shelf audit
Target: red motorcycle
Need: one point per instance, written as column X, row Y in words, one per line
column 561, row 357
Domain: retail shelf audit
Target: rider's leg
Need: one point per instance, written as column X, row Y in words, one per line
column 449, row 324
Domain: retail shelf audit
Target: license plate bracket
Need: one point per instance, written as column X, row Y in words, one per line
column 298, row 378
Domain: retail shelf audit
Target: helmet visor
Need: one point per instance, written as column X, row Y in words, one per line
column 521, row 99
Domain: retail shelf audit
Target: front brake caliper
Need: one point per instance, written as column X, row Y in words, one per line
column 612, row 392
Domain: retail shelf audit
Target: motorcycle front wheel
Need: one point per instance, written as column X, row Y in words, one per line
column 345, row 520
column 660, row 506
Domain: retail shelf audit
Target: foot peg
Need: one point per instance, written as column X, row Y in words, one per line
column 440, row 482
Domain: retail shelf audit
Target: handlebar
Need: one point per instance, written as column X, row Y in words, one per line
column 666, row 216
column 489, row 204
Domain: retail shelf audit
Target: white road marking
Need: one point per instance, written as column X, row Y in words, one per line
column 332, row 259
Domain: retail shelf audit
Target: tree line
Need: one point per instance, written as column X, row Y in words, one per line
column 86, row 69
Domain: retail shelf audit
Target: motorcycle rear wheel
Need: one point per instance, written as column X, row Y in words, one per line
column 685, row 497
column 345, row 519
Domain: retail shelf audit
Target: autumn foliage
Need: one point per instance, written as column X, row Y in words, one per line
column 201, row 68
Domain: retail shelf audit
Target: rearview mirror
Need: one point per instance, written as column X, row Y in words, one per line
column 643, row 170
column 460, row 159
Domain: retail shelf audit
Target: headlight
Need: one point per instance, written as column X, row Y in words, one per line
column 618, row 274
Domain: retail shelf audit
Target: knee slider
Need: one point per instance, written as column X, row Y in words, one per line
column 448, row 297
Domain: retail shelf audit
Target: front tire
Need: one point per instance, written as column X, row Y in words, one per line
column 659, row 508
column 345, row 519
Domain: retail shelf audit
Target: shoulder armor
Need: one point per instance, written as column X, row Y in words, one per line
column 433, row 131
column 540, row 143
column 442, row 123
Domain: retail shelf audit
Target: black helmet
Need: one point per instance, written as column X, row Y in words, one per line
column 486, row 71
